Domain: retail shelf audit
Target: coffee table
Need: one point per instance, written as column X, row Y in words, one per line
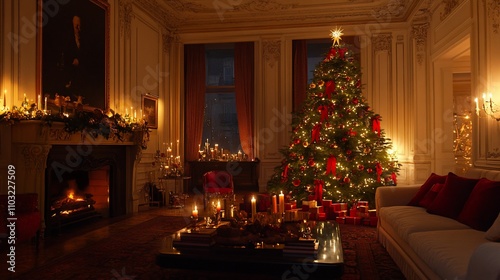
column 260, row 259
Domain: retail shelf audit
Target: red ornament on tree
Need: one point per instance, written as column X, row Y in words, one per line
column 296, row 182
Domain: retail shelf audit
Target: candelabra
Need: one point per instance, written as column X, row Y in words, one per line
column 488, row 107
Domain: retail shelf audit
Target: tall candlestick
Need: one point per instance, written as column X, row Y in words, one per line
column 4, row 98
column 39, row 103
column 282, row 202
column 218, row 206
column 275, row 206
column 45, row 107
column 254, row 208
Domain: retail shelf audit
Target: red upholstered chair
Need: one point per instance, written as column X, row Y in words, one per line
column 217, row 183
column 27, row 214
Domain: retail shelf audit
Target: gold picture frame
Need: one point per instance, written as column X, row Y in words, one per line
column 149, row 107
column 73, row 53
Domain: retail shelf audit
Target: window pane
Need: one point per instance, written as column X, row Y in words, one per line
column 220, row 67
column 221, row 122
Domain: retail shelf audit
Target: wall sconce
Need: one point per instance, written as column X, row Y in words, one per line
column 488, row 107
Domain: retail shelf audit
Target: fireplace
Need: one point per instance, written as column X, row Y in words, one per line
column 80, row 187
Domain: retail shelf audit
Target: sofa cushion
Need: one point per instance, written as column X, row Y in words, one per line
column 493, row 233
column 447, row 252
column 433, row 179
column 451, row 199
column 430, row 195
column 482, row 207
column 410, row 219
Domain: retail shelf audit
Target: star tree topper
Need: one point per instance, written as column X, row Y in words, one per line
column 336, row 35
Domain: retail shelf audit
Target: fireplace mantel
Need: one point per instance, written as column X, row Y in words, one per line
column 32, row 141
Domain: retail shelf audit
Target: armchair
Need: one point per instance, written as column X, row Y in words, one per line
column 27, row 214
column 217, row 183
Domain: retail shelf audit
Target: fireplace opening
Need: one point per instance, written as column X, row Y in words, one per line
column 81, row 195
column 94, row 188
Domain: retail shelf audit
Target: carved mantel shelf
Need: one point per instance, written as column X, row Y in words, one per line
column 39, row 132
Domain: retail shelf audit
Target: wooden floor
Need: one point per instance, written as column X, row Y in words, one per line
column 76, row 237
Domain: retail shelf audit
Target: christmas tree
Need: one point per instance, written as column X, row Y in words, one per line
column 338, row 150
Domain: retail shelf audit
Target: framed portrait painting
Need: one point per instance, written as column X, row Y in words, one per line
column 150, row 110
column 73, row 47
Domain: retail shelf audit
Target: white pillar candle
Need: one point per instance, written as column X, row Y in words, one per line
column 282, row 202
column 254, row 207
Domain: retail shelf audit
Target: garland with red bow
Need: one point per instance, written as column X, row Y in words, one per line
column 379, row 171
column 315, row 133
column 329, row 88
column 331, row 165
column 376, row 125
column 318, row 191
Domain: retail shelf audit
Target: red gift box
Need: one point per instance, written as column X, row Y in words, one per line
column 335, row 207
column 372, row 213
column 340, row 220
column 353, row 220
column 322, row 217
column 305, row 205
column 373, row 221
column 326, row 203
column 343, row 206
column 363, row 203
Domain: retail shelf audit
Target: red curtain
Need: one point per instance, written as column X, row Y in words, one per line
column 299, row 72
column 194, row 61
column 244, row 90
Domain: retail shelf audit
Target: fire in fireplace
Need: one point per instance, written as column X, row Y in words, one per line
column 81, row 195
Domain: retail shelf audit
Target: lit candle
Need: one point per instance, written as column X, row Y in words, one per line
column 45, row 103
column 177, row 151
column 254, row 208
column 275, row 206
column 218, row 206
column 39, row 103
column 195, row 212
column 4, row 98
column 282, row 202
column 135, row 114
column 126, row 111
column 477, row 106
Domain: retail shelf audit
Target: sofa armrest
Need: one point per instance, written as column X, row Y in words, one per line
column 394, row 195
column 485, row 262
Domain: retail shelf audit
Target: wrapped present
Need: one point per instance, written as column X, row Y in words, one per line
column 363, row 203
column 340, row 220
column 326, row 204
column 342, row 213
column 305, row 205
column 321, row 216
column 372, row 213
column 314, row 209
column 291, row 215
column 303, row 215
column 353, row 212
column 288, row 206
column 313, row 203
column 373, row 221
column 343, row 206
column 335, row 207
column 353, row 220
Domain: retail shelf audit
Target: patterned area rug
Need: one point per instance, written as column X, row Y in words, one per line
column 131, row 255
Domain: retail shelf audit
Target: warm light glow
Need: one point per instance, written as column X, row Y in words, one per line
column 336, row 35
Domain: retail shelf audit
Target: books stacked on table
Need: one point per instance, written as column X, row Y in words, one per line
column 204, row 237
column 303, row 248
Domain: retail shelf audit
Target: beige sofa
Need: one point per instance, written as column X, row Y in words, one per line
column 428, row 246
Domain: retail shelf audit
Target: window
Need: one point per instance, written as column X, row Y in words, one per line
column 220, row 122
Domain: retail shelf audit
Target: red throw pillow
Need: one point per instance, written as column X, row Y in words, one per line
column 430, row 195
column 482, row 207
column 451, row 199
column 433, row 179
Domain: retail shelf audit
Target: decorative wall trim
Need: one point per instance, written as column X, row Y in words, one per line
column 35, row 156
column 393, row 9
column 382, row 42
column 263, row 6
column 419, row 34
column 271, row 51
column 125, row 16
column 493, row 7
column 449, row 6
column 169, row 38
